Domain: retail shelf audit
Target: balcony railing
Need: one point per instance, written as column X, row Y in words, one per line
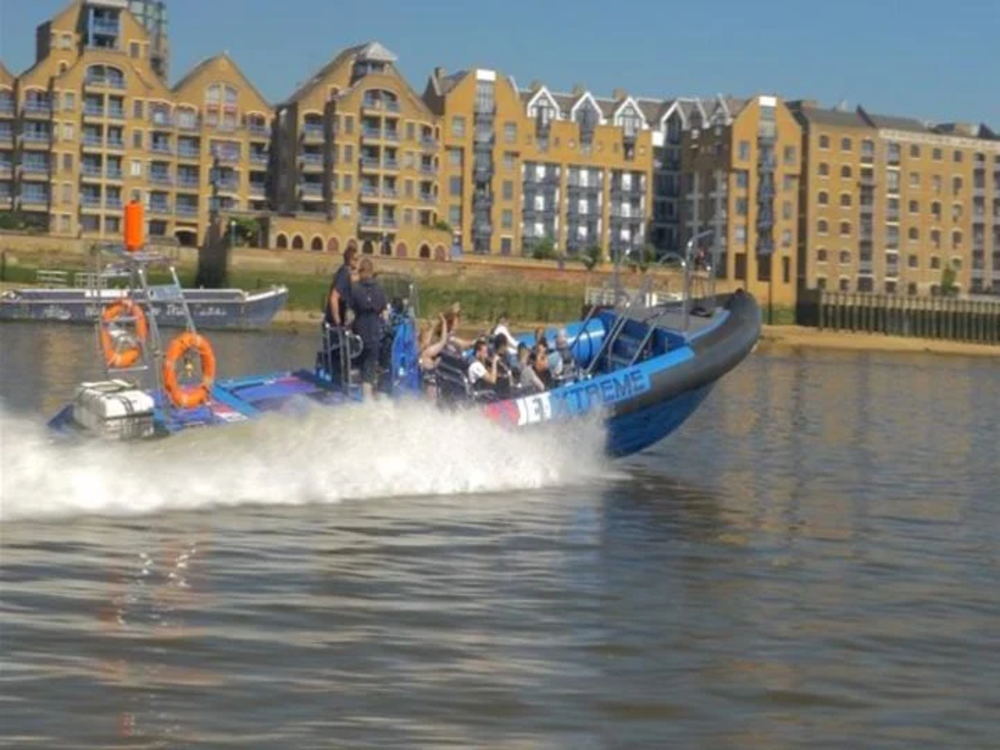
column 260, row 157
column 90, row 201
column 313, row 160
column 184, row 209
column 312, row 132
column 388, row 163
column 6, row 136
column 257, row 188
column 35, row 167
column 159, row 208
column 188, row 180
column 116, row 113
column 226, row 155
column 35, row 107
column 161, row 120
column 160, row 178
column 188, row 152
column 93, row 140
column 116, row 143
column 93, row 110
column 428, row 142
column 161, row 147
column 311, row 189
column 105, row 82
column 229, row 185
column 6, row 106
column 369, row 162
column 36, row 137
column 115, row 204
column 428, row 169
column 380, row 104
column 114, row 173
column 427, row 198
column 259, row 131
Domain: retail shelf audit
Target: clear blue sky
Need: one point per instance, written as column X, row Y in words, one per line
column 923, row 58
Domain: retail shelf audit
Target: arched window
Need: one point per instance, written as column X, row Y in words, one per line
column 281, row 242
column 913, row 234
column 440, row 253
column 824, row 141
column 822, row 226
column 106, row 76
column 221, row 110
column 332, row 245
column 298, row 243
column 845, row 171
column 317, row 244
column 401, row 250
column 367, row 248
column 425, row 251
column 823, row 198
column 845, row 200
column 845, row 229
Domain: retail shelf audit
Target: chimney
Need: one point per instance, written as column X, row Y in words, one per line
column 618, row 94
column 578, row 89
column 439, row 72
column 535, row 85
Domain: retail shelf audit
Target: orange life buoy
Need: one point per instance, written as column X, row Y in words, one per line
column 114, row 356
column 188, row 398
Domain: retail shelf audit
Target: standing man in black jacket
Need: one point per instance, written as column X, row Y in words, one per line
column 369, row 305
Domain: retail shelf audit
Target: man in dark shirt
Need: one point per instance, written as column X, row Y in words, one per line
column 369, row 305
column 338, row 300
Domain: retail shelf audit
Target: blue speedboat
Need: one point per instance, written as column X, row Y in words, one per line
column 642, row 369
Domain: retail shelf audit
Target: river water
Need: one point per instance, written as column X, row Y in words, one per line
column 812, row 561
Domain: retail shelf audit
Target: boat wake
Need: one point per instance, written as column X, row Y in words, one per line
column 309, row 455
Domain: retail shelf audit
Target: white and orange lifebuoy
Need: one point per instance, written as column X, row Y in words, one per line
column 113, row 355
column 188, row 398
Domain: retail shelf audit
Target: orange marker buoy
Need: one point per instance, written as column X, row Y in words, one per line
column 135, row 225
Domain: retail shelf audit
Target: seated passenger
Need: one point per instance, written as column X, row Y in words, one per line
column 540, row 337
column 501, row 329
column 523, row 360
column 563, row 364
column 482, row 372
column 505, row 379
column 537, row 377
column 432, row 343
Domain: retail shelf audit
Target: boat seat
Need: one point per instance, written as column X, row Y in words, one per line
column 453, row 381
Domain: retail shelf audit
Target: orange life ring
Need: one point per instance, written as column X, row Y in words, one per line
column 122, row 309
column 188, row 398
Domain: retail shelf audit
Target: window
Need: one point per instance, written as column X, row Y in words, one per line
column 822, row 226
column 789, row 154
column 407, row 216
column 914, row 207
column 744, row 150
column 348, row 124
column 936, row 239
column 890, row 287
column 508, row 190
column 786, row 238
column 821, row 283
column 956, row 263
column 742, row 179
column 133, row 50
column 786, row 210
column 507, row 219
column 912, row 261
column 137, row 108
column 935, row 263
column 67, row 194
column 455, row 157
column 845, row 257
column 455, row 216
column 408, row 189
column 892, row 181
column 740, row 235
column 506, row 245
column 67, row 162
column 788, row 183
column 824, row 141
column 821, row 255
column 914, row 179
column 911, row 288
column 455, row 186
column 823, row 198
column 845, row 229
column 348, row 183
column 741, row 206
column 956, row 185
column 136, row 139
column 913, row 234
column 845, row 285
column 508, row 159
column 411, row 131
column 956, row 241
column 67, row 132
column 740, row 270
column 69, row 101
column 348, row 153
column 510, row 132
column 458, row 126
column 957, row 157
column 64, row 224
column 845, row 144
column 135, row 168
column 824, row 169
column 845, row 172
column 845, row 200
column 937, row 155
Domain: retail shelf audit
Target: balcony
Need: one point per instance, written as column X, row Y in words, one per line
column 188, row 152
column 380, row 105
column 892, row 215
column 113, row 173
column 93, row 110
column 389, row 163
column 6, row 106
column 428, row 169
column 369, row 191
column 116, row 113
column 160, row 178
column 6, row 136
column 312, row 133
column 34, row 168
column 312, row 160
column 186, row 209
column 161, row 147
column 6, row 168
column 428, row 198
column 258, row 189
column 92, row 141
column 188, row 124
column 228, row 184
column 159, row 207
column 92, row 202
column 259, row 131
column 33, row 137
column 114, row 204
column 35, row 108
column 428, row 142
column 161, row 120
column 116, row 144
column 104, row 82
column 311, row 190
column 226, row 156
column 259, row 157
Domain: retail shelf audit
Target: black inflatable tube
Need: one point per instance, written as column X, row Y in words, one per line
column 715, row 353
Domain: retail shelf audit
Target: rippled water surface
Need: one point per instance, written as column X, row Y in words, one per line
column 812, row 561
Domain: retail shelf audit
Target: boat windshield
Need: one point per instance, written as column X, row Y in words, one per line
column 400, row 288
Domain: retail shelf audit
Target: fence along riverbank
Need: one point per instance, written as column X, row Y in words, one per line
column 948, row 318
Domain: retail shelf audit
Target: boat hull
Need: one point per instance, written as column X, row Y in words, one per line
column 210, row 309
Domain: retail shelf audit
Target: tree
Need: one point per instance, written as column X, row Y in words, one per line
column 643, row 257
column 443, row 225
column 592, row 257
column 247, row 231
column 948, row 286
column 544, row 249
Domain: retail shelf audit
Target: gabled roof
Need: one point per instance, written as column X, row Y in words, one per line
column 316, row 78
column 811, row 114
column 586, row 96
column 449, row 82
column 207, row 63
column 377, row 52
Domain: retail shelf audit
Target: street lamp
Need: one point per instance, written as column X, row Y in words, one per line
column 232, row 233
column 687, row 271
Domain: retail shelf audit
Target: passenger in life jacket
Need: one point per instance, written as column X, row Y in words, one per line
column 483, row 370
